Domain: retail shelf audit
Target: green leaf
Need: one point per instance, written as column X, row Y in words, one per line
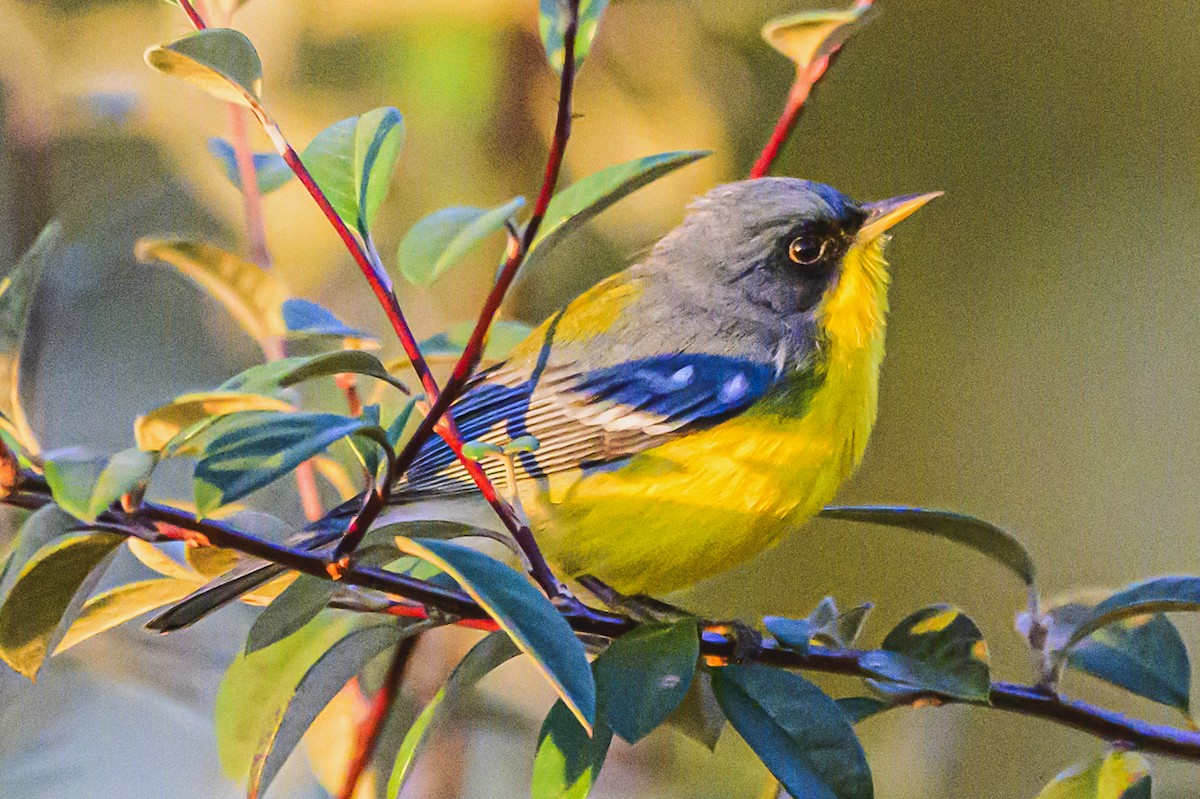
column 445, row 237
column 49, row 590
column 975, row 533
column 1156, row 595
column 308, row 321
column 793, row 634
column 299, row 604
column 586, row 199
column 220, row 61
column 72, row 473
column 800, row 734
column 124, row 603
column 399, row 423
column 825, row 625
column 860, row 708
column 253, row 296
column 502, row 338
column 534, row 624
column 43, row 526
column 16, row 300
column 257, row 449
column 353, row 160
column 270, row 170
column 553, row 18
column 256, row 685
column 129, row 470
column 699, row 716
column 172, row 424
column 1116, row 775
column 937, row 650
column 328, row 675
column 809, row 35
column 267, row 377
column 645, row 674
column 568, row 758
column 493, row 651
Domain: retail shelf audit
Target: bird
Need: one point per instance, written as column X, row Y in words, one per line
column 692, row 409
column 685, row 413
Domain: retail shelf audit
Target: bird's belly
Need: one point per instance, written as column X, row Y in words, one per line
column 698, row 505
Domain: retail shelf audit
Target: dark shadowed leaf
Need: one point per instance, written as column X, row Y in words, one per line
column 1159, row 594
column 938, row 650
column 798, row 732
column 645, row 674
column 553, row 19
column 1117, row 775
column 491, row 652
column 442, row 239
column 124, row 603
column 568, row 759
column 585, row 199
column 257, row 449
column 523, row 612
column 859, row 708
column 16, row 300
column 49, row 591
column 353, row 160
column 285, row 372
column 220, row 61
column 328, row 675
column 299, row 604
column 698, row 716
column 270, row 170
column 975, row 533
column 502, row 337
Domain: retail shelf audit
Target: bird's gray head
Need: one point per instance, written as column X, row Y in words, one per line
column 780, row 241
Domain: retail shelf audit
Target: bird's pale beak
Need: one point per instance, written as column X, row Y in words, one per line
column 883, row 214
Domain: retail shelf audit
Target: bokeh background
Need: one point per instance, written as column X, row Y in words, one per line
column 1044, row 344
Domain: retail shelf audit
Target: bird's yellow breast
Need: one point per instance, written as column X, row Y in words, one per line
column 695, row 506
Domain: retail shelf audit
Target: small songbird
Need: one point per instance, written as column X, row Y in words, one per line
column 694, row 408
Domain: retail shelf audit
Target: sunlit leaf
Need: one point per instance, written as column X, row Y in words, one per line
column 256, row 449
column 309, row 321
column 938, row 650
column 49, row 591
column 975, row 533
column 253, row 296
column 336, row 475
column 16, row 300
column 156, row 429
column 645, row 674
column 127, row 471
column 445, row 237
column 798, row 732
column 155, row 559
column 553, row 19
column 220, row 61
column 699, row 716
column 320, row 683
column 585, row 199
column 43, row 526
column 118, row 605
column 353, row 160
column 299, row 604
column 807, row 36
column 534, row 624
column 1116, row 775
column 270, row 170
column 488, row 654
column 71, row 474
column 285, row 372
column 502, row 338
column 568, row 759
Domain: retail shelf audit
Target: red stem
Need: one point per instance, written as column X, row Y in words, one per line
column 193, row 15
column 256, row 228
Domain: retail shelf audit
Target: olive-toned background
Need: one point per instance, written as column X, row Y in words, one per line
column 1043, row 347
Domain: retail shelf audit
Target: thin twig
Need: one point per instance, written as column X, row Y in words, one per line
column 252, row 205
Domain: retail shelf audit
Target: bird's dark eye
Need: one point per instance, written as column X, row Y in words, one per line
column 807, row 250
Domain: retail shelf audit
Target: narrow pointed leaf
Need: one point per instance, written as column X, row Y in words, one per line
column 353, row 161
column 1117, row 775
column 800, row 734
column 270, row 170
column 493, row 651
column 938, row 650
column 159, row 561
column 43, row 526
column 585, row 199
column 124, row 603
column 49, row 590
column 299, row 604
column 220, row 61
column 553, row 18
column 163, row 425
column 253, row 296
column 285, row 372
column 646, row 673
column 442, row 239
column 975, row 533
column 534, row 624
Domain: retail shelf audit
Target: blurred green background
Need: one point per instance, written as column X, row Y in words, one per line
column 1044, row 346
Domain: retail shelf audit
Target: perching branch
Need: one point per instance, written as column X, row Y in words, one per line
column 422, row 598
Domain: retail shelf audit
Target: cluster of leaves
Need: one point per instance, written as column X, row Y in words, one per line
column 303, row 652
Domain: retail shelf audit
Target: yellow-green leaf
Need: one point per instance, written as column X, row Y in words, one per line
column 807, row 36
column 253, row 296
column 1117, row 775
column 116, row 606
column 445, row 237
column 221, row 61
column 552, row 26
column 156, row 429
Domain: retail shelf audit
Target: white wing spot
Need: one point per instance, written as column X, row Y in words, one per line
column 682, row 377
column 734, row 389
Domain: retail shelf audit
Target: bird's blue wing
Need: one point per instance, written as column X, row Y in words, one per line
column 585, row 417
